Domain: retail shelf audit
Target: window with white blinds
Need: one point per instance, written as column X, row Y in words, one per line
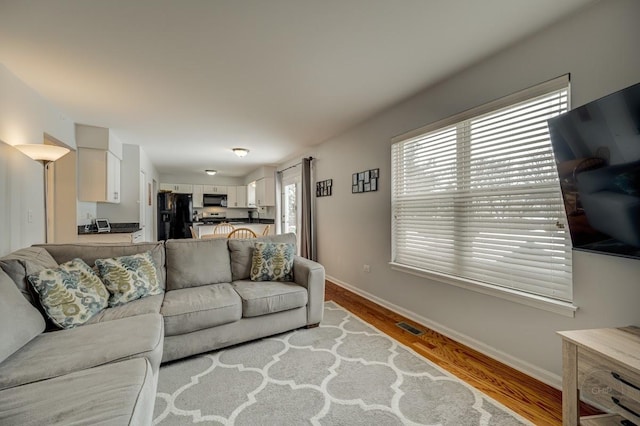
column 477, row 196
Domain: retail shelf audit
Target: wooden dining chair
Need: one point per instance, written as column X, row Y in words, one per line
column 266, row 230
column 242, row 233
column 194, row 234
column 223, row 228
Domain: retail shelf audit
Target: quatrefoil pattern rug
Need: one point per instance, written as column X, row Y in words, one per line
column 344, row 372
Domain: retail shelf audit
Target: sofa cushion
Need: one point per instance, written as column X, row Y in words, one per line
column 196, row 308
column 241, row 253
column 192, row 263
column 20, row 321
column 71, row 293
column 91, row 252
column 129, row 277
column 146, row 305
column 121, row 393
column 21, row 263
column 268, row 297
column 272, row 262
column 62, row 352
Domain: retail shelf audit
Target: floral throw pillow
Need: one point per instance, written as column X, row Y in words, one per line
column 272, row 262
column 129, row 277
column 71, row 293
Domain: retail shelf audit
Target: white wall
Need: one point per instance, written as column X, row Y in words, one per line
column 24, row 118
column 599, row 48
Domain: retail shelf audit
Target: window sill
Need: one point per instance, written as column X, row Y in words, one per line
column 540, row 302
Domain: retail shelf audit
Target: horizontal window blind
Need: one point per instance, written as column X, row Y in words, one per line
column 480, row 199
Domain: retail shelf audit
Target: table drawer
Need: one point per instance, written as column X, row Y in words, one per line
column 609, row 385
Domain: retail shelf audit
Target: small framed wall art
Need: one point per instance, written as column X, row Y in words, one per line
column 323, row 188
column 366, row 181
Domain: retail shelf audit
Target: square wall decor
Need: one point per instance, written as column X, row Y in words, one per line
column 366, row 181
column 323, row 188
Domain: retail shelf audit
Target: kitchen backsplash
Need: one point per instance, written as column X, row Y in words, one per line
column 264, row 212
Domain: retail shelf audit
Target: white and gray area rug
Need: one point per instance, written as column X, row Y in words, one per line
column 344, row 372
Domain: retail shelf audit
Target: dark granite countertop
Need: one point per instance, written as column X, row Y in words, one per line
column 116, row 228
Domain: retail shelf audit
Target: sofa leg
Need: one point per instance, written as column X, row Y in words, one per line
column 312, row 325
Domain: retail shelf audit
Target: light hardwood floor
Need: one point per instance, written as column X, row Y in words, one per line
column 532, row 399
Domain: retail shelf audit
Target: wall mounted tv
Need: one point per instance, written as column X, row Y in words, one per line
column 597, row 151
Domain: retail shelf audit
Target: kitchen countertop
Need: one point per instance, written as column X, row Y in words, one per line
column 234, row 221
column 116, row 228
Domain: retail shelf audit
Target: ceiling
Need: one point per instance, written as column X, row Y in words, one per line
column 189, row 80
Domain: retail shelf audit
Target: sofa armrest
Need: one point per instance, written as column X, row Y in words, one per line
column 310, row 275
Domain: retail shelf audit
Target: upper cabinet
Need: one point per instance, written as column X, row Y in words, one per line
column 178, row 188
column 265, row 192
column 236, row 197
column 99, row 156
column 215, row 189
column 198, row 192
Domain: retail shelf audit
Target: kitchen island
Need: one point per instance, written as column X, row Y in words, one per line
column 207, row 229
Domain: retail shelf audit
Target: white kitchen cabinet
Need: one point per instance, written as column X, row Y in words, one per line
column 99, row 156
column 265, row 192
column 236, row 197
column 178, row 188
column 98, row 176
column 137, row 237
column 198, row 191
column 101, row 138
column 215, row 189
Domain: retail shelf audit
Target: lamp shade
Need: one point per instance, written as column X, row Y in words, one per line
column 240, row 152
column 41, row 152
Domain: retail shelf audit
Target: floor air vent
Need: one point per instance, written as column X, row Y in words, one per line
column 409, row 328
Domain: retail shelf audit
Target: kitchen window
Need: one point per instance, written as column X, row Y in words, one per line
column 476, row 201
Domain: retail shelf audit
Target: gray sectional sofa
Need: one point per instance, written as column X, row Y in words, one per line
column 106, row 371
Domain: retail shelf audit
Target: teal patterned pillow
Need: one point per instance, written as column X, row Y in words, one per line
column 129, row 277
column 272, row 262
column 71, row 293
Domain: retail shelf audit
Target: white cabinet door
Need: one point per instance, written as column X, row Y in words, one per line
column 215, row 189
column 241, row 196
column 265, row 192
column 236, row 197
column 183, row 188
column 98, row 176
column 198, row 190
column 113, row 178
column 167, row 187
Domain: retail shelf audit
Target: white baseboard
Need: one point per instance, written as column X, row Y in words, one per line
column 536, row 372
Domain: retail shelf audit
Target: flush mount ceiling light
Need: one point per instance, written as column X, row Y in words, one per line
column 240, row 152
column 211, row 172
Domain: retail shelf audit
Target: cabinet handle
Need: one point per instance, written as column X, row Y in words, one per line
column 621, row 405
column 626, row 382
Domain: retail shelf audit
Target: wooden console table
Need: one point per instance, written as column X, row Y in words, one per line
column 601, row 366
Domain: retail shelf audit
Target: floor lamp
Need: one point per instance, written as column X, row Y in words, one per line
column 45, row 154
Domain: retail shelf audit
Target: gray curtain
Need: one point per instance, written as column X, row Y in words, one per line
column 307, row 243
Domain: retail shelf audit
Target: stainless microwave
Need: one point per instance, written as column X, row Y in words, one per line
column 212, row 200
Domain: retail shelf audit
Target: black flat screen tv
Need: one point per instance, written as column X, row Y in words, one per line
column 597, row 152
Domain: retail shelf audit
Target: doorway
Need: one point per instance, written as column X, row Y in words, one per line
column 291, row 217
column 61, row 197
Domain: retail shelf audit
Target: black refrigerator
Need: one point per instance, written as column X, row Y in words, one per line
column 175, row 213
